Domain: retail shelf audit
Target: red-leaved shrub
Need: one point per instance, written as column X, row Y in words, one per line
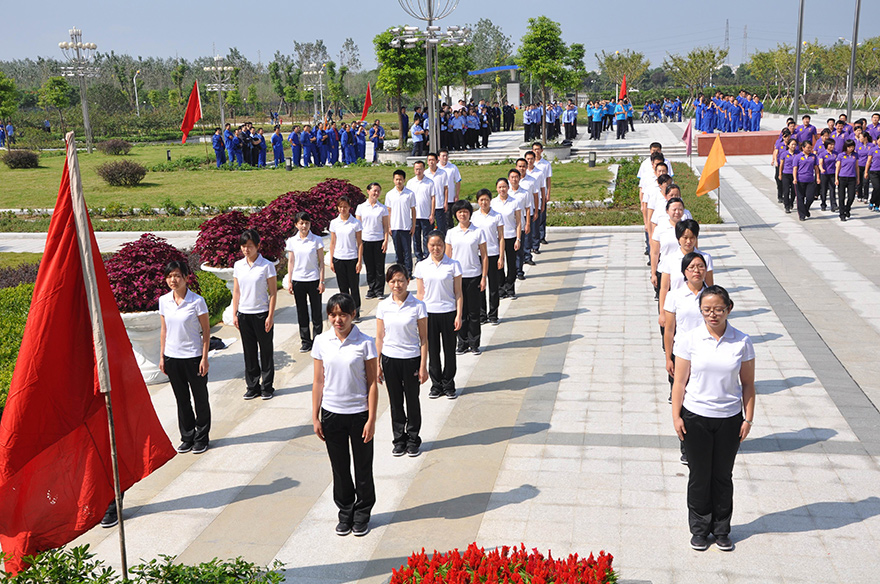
column 217, row 243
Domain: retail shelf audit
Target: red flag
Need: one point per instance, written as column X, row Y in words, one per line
column 368, row 101
column 688, row 137
column 193, row 112
column 56, row 476
column 622, row 88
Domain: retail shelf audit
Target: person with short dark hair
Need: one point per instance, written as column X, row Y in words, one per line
column 466, row 244
column 511, row 218
column 305, row 269
column 219, row 147
column 374, row 218
column 846, row 178
column 401, row 203
column 805, row 173
column 347, row 252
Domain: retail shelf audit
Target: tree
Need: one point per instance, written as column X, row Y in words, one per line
column 350, row 56
column 336, row 84
column 578, row 73
column 8, row 97
column 455, row 62
column 490, row 47
column 541, row 55
column 156, row 98
column 615, row 65
column 55, row 92
column 173, row 97
column 308, row 53
column 694, row 71
column 177, row 75
column 400, row 70
column 234, row 101
column 252, row 97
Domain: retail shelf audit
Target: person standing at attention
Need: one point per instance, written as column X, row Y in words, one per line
column 347, row 252
column 305, row 266
column 373, row 216
column 401, row 203
column 466, row 244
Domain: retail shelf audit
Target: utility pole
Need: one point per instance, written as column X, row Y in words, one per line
column 852, row 62
column 745, row 56
column 797, row 62
column 727, row 36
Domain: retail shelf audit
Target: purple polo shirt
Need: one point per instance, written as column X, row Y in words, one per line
column 848, row 164
column 805, row 133
column 839, row 138
column 829, row 161
column 788, row 162
column 805, row 166
column 874, row 131
column 875, row 160
column 863, row 151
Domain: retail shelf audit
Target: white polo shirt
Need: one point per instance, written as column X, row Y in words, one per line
column 524, row 199
column 507, row 209
column 401, row 322
column 453, row 179
column 488, row 224
column 183, row 332
column 528, row 184
column 439, row 283
column 664, row 234
column 345, row 375
column 346, row 237
column 685, row 305
column 660, row 214
column 400, row 204
column 713, row 390
column 466, row 249
column 423, row 191
column 646, row 170
column 372, row 218
column 305, row 257
column 441, row 182
column 670, row 263
column 540, row 183
column 253, row 287
column 545, row 167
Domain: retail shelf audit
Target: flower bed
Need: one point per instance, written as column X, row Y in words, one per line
column 504, row 566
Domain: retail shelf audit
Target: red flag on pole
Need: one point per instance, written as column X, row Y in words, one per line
column 193, row 112
column 622, row 88
column 368, row 101
column 688, row 137
column 56, row 476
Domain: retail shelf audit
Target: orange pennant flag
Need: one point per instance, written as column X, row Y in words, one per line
column 709, row 180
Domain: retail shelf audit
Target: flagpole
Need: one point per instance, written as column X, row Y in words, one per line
column 80, row 214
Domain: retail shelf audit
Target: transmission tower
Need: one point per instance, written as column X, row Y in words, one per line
column 727, row 36
column 745, row 56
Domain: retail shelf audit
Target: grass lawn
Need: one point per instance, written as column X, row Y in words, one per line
column 9, row 259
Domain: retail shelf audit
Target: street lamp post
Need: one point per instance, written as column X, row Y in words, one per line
column 221, row 74
column 136, row 102
column 80, row 56
column 852, row 61
column 797, row 61
column 319, row 86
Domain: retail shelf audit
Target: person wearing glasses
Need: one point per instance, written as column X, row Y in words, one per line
column 713, row 408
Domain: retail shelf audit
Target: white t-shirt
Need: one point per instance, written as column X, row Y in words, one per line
column 713, row 389
column 488, row 224
column 401, row 326
column 305, row 257
column 400, row 206
column 252, row 284
column 670, row 263
column 524, row 198
column 346, row 237
column 372, row 218
column 183, row 332
column 441, row 182
column 466, row 249
column 345, row 374
column 646, row 170
column 439, row 283
column 685, row 305
column 423, row 191
column 453, row 179
column 507, row 209
column 650, row 193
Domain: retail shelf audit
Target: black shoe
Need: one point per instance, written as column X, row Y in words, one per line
column 461, row 350
column 413, row 450
column 788, row 209
column 543, row 241
column 802, row 218
column 723, row 542
column 529, row 262
column 700, row 543
column 824, row 208
column 251, row 394
column 512, row 296
column 398, row 450
column 434, row 394
column 520, row 276
column 778, row 200
column 305, row 348
column 843, row 217
column 502, row 294
column 683, row 459
column 110, row 517
column 494, row 321
column 267, row 394
column 360, row 529
column 476, row 351
column 184, row 447
column 537, row 251
column 369, row 295
column 484, row 320
column 343, row 528
column 200, row 448
column 450, row 394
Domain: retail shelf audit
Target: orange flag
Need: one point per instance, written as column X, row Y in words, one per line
column 709, row 180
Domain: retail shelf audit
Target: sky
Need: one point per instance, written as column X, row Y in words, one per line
column 189, row 28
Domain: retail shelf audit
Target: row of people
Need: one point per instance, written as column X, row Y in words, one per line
column 728, row 113
column 554, row 117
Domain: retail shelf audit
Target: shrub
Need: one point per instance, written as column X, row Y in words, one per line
column 114, row 147
column 217, row 243
column 182, row 163
column 14, row 305
column 21, row 274
column 217, row 296
column 122, row 173
column 272, row 239
column 136, row 273
column 319, row 201
column 21, row 159
column 504, row 565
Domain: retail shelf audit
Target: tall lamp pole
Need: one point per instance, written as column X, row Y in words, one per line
column 222, row 76
column 80, row 56
column 135, row 83
column 852, row 62
column 797, row 61
column 319, row 86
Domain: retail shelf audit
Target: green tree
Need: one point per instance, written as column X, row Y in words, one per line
column 234, row 101
column 577, row 71
column 455, row 62
column 55, row 92
column 694, row 71
column 174, row 97
column 177, row 75
column 156, row 98
column 252, row 98
column 336, row 91
column 8, row 98
column 541, row 55
column 400, row 70
column 616, row 65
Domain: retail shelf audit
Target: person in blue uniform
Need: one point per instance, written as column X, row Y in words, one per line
column 361, row 140
column 404, row 126
column 377, row 137
column 344, row 137
column 219, row 147
column 323, row 144
column 295, row 146
column 278, row 146
column 620, row 119
column 228, row 135
column 630, row 114
column 306, row 141
column 237, row 148
column 260, row 147
column 333, row 144
column 484, row 126
column 757, row 111
column 458, row 129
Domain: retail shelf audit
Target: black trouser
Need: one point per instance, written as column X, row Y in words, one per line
column 778, row 185
column 508, row 281
column 711, row 445
column 402, row 381
column 806, row 194
column 863, row 184
column 355, row 499
column 458, row 139
column 621, row 128
column 485, row 135
column 260, row 364
column 631, row 124
column 441, row 331
column 846, row 194
column 827, row 191
column 420, row 238
column 374, row 261
column 874, row 178
column 469, row 333
column 788, row 191
column 527, row 132
column 402, row 239
column 493, row 282
column 303, row 292
column 597, row 129
column 184, row 377
column 568, row 133
column 348, row 279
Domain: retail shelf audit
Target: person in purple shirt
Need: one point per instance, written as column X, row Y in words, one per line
column 786, row 173
column 806, row 178
column 827, row 166
column 864, row 151
column 841, row 135
column 846, row 178
column 806, row 131
column 874, row 179
column 874, row 127
column 779, row 151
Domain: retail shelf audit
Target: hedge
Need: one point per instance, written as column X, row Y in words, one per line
column 216, row 295
column 14, row 305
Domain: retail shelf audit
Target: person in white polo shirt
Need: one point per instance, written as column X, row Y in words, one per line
column 544, row 165
column 305, row 266
column 184, row 339
column 441, row 191
column 254, row 293
column 490, row 223
column 687, row 233
column 401, row 203
column 529, row 185
column 423, row 189
column 347, row 252
column 345, row 395
column 374, row 218
column 524, row 199
column 402, row 343
column 438, row 285
column 713, row 408
column 466, row 244
column 511, row 219
column 536, row 174
column 453, row 181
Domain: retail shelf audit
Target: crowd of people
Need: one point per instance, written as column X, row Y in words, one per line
column 728, row 113
column 667, row 110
